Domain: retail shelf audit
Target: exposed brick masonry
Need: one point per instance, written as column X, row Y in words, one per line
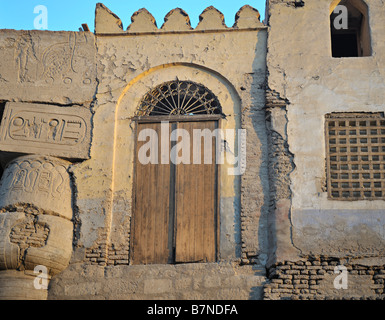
column 313, row 280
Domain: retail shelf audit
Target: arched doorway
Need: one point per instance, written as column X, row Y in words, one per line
column 175, row 196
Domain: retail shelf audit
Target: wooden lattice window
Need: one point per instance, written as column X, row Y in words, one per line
column 355, row 148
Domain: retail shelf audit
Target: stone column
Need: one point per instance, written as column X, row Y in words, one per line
column 36, row 230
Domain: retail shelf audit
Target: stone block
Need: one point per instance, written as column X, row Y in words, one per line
column 45, row 66
column 182, row 283
column 41, row 182
column 156, row 286
column 46, row 130
column 16, row 285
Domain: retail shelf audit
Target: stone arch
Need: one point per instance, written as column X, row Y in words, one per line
column 124, row 146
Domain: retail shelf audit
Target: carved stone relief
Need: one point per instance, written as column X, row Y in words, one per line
column 64, row 60
column 47, row 130
column 35, row 218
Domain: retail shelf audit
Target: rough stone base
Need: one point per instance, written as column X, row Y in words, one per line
column 207, row 281
column 17, row 285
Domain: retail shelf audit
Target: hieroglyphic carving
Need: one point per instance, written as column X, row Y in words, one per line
column 61, row 63
column 24, row 54
column 58, row 59
column 36, row 176
column 50, row 130
column 42, row 182
column 56, row 62
column 35, row 214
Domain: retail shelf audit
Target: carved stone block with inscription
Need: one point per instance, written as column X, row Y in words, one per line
column 57, row 67
column 46, row 130
column 36, row 226
column 41, row 182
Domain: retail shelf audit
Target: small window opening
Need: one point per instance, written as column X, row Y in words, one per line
column 350, row 34
column 299, row 3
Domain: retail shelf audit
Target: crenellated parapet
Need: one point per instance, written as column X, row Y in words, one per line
column 177, row 20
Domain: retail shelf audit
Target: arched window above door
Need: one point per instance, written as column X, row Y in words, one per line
column 179, row 98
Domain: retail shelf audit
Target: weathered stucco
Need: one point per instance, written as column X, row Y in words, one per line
column 302, row 71
column 67, row 149
column 129, row 66
column 101, row 79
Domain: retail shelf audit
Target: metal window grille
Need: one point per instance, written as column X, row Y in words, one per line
column 179, row 98
column 355, row 149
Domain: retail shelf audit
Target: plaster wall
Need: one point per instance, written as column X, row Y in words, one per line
column 94, row 83
column 313, row 83
column 231, row 63
column 130, row 65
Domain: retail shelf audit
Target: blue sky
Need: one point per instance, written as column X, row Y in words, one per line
column 70, row 14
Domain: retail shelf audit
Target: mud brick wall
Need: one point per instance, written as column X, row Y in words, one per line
column 313, row 279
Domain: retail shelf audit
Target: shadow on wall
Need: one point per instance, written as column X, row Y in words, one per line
column 257, row 117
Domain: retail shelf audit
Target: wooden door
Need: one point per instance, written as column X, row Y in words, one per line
column 196, row 202
column 151, row 207
column 175, row 205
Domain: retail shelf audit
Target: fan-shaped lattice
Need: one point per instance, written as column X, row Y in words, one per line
column 179, row 98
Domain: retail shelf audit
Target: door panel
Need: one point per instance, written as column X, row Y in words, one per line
column 151, row 207
column 175, row 206
column 195, row 203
